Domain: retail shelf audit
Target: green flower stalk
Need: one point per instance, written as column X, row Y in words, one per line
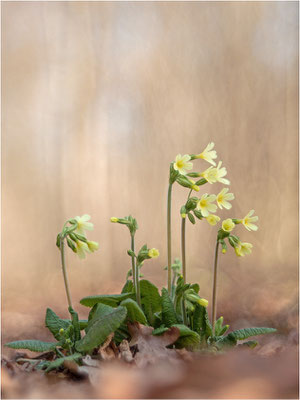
column 73, row 233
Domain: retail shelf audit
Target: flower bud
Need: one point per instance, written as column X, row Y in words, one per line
column 93, row 246
column 61, row 331
column 183, row 215
column 195, row 187
column 114, row 219
column 203, row 302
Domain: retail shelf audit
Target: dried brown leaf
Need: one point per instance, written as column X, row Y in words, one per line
column 153, row 348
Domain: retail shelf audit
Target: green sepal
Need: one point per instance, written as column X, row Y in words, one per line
column 201, row 181
column 173, row 174
column 71, row 245
column 198, row 214
column 191, row 218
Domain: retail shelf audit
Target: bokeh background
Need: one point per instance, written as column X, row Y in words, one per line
column 97, row 100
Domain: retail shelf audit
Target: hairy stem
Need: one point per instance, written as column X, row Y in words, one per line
column 169, row 238
column 214, row 295
column 183, row 249
column 63, row 264
column 135, row 273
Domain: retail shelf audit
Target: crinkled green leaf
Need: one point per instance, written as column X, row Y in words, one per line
column 169, row 316
column 112, row 300
column 98, row 311
column 134, row 312
column 150, row 300
column 201, row 323
column 160, row 330
column 128, row 287
column 54, row 323
column 242, row 334
column 33, row 345
column 188, row 338
column 99, row 327
column 59, row 361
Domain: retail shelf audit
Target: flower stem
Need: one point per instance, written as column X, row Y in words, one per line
column 183, row 243
column 169, row 238
column 183, row 249
column 63, row 264
column 214, row 296
column 135, row 273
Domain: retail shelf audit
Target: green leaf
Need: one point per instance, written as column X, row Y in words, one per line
column 218, row 326
column 169, row 317
column 128, row 287
column 59, row 361
column 223, row 330
column 98, row 311
column 201, row 323
column 112, row 300
column 188, row 338
column 33, row 345
column 134, row 312
column 100, row 326
column 159, row 331
column 242, row 334
column 250, row 343
column 226, row 341
column 54, row 323
column 150, row 300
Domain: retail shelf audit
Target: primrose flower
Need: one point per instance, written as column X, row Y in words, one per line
column 223, row 197
column 247, row 221
column 205, row 206
column 83, row 225
column 153, row 253
column 228, row 225
column 212, row 219
column 208, row 154
column 81, row 249
column 243, row 248
column 182, row 163
column 213, row 175
column 114, row 219
column 93, row 246
column 203, row 302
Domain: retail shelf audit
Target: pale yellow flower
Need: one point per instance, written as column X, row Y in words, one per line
column 247, row 221
column 93, row 246
column 243, row 248
column 153, row 253
column 205, row 206
column 213, row 175
column 114, row 219
column 208, row 154
column 182, row 164
column 228, row 225
column 81, row 249
column 223, row 197
column 212, row 219
column 83, row 225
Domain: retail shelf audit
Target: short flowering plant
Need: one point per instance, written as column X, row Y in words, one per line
column 177, row 308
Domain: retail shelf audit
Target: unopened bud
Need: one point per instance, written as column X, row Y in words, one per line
column 114, row 219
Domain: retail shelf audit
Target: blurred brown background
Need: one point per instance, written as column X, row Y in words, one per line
column 97, row 100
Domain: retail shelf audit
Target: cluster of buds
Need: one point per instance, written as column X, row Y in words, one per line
column 129, row 221
column 74, row 231
column 189, row 293
column 241, row 248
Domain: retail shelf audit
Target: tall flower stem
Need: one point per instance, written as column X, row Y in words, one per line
column 183, row 257
column 63, row 264
column 214, row 295
column 135, row 273
column 169, row 238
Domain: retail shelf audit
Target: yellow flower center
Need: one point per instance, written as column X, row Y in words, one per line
column 203, row 203
column 179, row 163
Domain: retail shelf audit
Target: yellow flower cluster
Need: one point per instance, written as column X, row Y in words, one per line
column 83, row 247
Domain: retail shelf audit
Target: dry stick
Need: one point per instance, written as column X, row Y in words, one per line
column 169, row 238
column 214, row 296
column 63, row 263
